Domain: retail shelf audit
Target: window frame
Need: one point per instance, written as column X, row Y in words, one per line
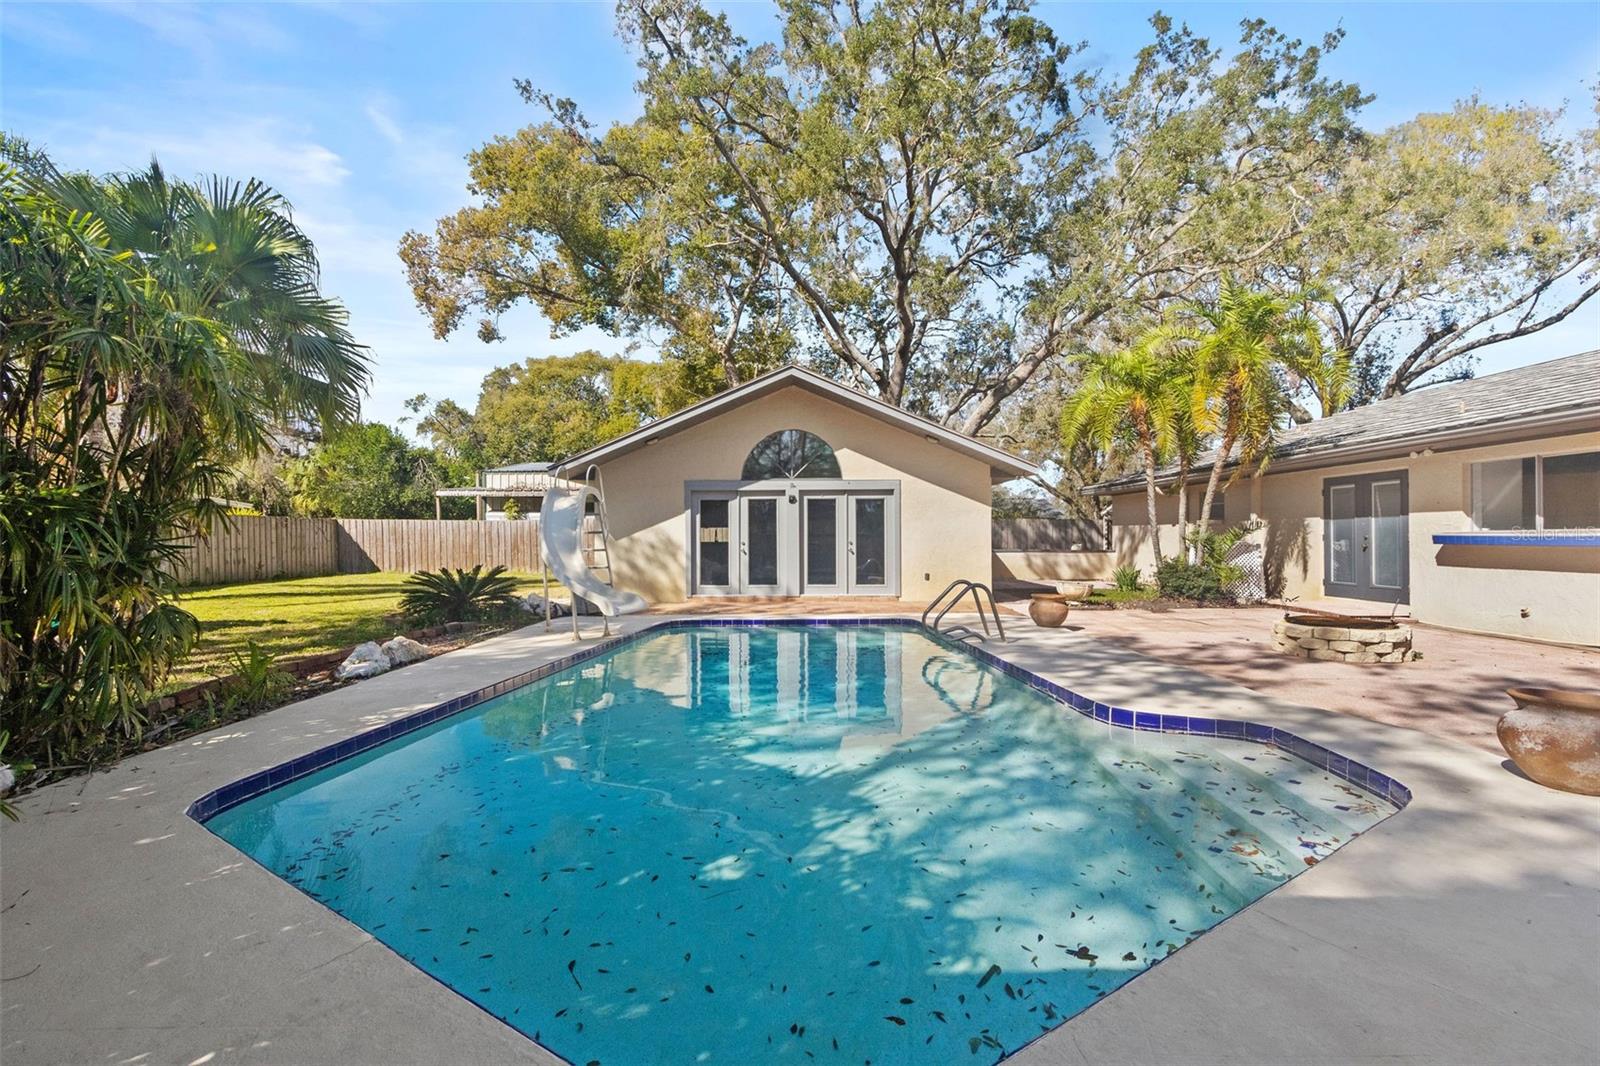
column 1473, row 503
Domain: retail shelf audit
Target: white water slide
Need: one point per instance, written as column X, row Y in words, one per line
column 561, row 530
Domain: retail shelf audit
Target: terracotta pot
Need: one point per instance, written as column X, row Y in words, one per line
column 1048, row 609
column 1554, row 737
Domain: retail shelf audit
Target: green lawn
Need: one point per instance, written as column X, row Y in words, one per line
column 297, row 617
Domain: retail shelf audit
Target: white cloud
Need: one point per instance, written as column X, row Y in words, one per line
column 385, row 124
column 235, row 145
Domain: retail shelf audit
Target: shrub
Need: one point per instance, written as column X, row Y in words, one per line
column 446, row 595
column 1126, row 578
column 257, row 680
column 1206, row 578
column 512, row 510
column 1180, row 579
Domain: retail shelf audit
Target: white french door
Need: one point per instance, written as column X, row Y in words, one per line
column 711, row 551
column 762, row 544
column 788, row 541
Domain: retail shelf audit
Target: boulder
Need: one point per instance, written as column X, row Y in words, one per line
column 365, row 660
column 402, row 650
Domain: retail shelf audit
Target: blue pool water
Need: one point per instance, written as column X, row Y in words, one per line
column 840, row 843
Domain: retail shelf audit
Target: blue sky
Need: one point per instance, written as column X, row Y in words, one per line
column 362, row 114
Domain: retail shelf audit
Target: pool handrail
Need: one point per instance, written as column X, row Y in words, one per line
column 962, row 586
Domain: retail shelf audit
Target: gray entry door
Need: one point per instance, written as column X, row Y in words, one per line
column 1366, row 537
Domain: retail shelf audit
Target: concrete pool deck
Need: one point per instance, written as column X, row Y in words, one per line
column 1465, row 929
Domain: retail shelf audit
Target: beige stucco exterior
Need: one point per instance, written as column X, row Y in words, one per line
column 1053, row 566
column 944, row 495
column 1538, row 592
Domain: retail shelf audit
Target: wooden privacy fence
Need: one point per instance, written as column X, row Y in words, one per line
column 367, row 545
column 255, row 549
column 1048, row 535
column 259, row 549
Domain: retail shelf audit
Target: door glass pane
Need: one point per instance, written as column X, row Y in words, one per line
column 822, row 540
column 714, row 542
column 1502, row 494
column 1572, row 491
column 761, row 539
column 870, row 544
column 1341, row 534
column 1388, row 535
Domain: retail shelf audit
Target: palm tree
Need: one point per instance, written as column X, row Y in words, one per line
column 231, row 254
column 1127, row 400
column 151, row 329
column 1245, row 349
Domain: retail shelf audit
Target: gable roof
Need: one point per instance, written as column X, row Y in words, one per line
column 1003, row 465
column 1543, row 400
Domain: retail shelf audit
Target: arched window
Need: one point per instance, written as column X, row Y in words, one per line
column 790, row 453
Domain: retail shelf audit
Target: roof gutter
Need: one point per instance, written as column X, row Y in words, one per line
column 1508, row 432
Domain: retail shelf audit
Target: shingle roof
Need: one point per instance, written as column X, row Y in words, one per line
column 1560, row 392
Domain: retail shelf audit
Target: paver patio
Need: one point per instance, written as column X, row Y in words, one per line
column 1456, row 690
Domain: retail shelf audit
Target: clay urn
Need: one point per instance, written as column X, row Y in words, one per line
column 1048, row 609
column 1553, row 736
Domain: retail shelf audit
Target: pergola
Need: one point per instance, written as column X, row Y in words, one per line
column 531, row 490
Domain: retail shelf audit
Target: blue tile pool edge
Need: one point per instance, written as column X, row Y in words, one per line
column 1326, row 759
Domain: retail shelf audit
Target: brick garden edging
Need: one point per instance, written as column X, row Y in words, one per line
column 299, row 668
column 1329, row 641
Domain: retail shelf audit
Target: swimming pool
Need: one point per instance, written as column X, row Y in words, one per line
column 713, row 843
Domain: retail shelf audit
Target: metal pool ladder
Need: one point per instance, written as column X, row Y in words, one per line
column 945, row 602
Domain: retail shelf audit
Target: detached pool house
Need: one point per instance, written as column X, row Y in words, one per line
column 793, row 485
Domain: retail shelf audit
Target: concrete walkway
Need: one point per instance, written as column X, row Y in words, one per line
column 1462, row 930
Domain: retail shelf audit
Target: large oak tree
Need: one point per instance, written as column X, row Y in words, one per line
column 933, row 201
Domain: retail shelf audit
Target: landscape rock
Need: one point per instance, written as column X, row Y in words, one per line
column 365, row 660
column 402, row 650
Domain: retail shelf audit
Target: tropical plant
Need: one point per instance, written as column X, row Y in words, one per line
column 1249, row 351
column 1126, row 578
column 1205, row 574
column 255, row 680
column 1129, row 400
column 10, row 774
column 1180, row 579
column 151, row 330
column 446, row 595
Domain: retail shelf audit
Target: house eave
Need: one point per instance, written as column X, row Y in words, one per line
column 1003, row 465
column 1552, row 424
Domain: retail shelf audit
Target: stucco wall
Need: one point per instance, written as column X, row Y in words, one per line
column 944, row 496
column 1485, row 589
column 1053, row 566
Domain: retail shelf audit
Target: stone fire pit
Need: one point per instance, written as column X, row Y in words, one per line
column 1350, row 640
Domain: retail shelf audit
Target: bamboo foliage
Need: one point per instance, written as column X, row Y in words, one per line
column 149, row 330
